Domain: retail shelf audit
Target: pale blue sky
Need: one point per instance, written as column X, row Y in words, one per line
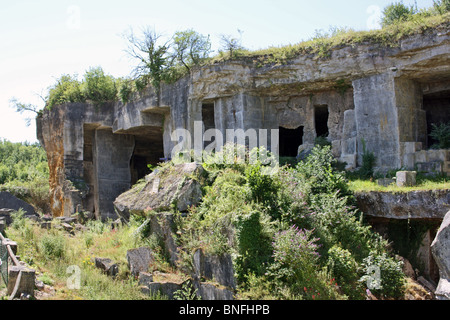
column 40, row 40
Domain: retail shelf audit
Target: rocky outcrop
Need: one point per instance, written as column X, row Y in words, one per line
column 139, row 260
column 213, row 267
column 107, row 266
column 420, row 204
column 173, row 186
column 440, row 249
column 10, row 203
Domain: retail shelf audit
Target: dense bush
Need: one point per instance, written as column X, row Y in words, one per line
column 53, row 246
column 441, row 133
column 251, row 215
column 383, row 275
column 96, row 86
column 344, row 268
column 396, row 12
column 318, row 171
column 296, row 265
column 99, row 87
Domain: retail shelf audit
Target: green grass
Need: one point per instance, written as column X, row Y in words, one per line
column 367, row 186
column 40, row 249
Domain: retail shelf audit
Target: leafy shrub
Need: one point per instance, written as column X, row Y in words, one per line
column 396, row 12
column 383, row 275
column 18, row 219
column 263, row 189
column 441, row 6
column 317, row 170
column 296, row 263
column 253, row 237
column 125, row 89
column 441, row 133
column 344, row 268
column 24, row 173
column 99, row 87
column 52, row 246
column 66, row 89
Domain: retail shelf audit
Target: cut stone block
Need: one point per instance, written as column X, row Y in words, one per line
column 139, row 260
column 430, row 167
column 406, row 178
column 27, row 280
column 107, row 266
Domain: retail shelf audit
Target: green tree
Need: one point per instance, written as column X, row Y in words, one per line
column 441, row 6
column 190, row 48
column 153, row 57
column 396, row 12
column 232, row 44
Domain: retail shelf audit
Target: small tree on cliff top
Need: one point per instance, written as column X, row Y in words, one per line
column 153, row 57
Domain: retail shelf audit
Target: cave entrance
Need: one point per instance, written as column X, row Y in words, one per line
column 88, row 165
column 290, row 140
column 148, row 149
column 437, row 108
column 208, row 119
column 321, row 120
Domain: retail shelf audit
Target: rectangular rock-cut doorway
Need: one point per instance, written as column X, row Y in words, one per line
column 148, row 150
column 208, row 119
column 321, row 115
column 437, row 108
column 289, row 141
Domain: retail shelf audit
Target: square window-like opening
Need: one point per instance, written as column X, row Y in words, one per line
column 437, row 108
column 321, row 120
column 290, row 140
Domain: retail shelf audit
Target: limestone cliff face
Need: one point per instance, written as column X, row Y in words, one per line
column 50, row 134
column 363, row 92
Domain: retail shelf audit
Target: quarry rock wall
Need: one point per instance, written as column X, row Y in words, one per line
column 359, row 93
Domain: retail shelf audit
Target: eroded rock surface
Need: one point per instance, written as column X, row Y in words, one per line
column 440, row 249
column 174, row 186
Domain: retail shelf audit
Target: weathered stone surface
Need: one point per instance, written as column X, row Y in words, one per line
column 209, row 291
column 440, row 249
column 176, row 185
column 162, row 225
column 443, row 289
column 217, row 268
column 165, row 288
column 407, row 268
column 145, row 278
column 406, row 178
column 107, row 266
column 27, row 280
column 430, row 204
column 139, row 260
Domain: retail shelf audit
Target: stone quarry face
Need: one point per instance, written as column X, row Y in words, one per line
column 175, row 186
column 382, row 97
column 440, row 249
